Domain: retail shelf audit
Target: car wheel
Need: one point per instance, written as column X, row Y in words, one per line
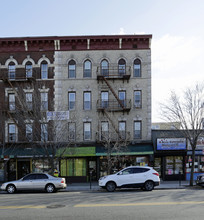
column 110, row 186
column 149, row 185
column 11, row 189
column 50, row 188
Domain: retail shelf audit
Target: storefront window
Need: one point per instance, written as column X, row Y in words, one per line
column 1, row 171
column 199, row 164
column 157, row 165
column 73, row 167
column 41, row 165
column 12, row 170
column 174, row 165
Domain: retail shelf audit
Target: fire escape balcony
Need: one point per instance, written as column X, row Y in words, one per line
column 114, row 72
column 114, row 105
column 12, row 77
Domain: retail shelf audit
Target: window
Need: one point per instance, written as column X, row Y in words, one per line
column 11, row 71
column 28, row 69
column 71, row 100
column 12, row 133
column 87, row 69
column 44, row 101
column 29, row 132
column 122, row 98
column 12, row 105
column 29, row 100
column 104, row 130
column 44, row 71
column 121, row 67
column 138, row 99
column 72, row 69
column 104, row 68
column 137, row 68
column 137, row 129
column 44, row 132
column 87, row 131
column 122, row 129
column 87, row 100
column 104, row 99
column 72, row 131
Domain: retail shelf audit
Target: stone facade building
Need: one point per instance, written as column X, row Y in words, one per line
column 103, row 86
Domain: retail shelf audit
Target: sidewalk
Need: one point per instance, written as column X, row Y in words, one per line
column 94, row 186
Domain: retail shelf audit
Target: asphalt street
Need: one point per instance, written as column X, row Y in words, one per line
column 120, row 205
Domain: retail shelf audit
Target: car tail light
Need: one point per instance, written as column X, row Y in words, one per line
column 156, row 174
column 62, row 181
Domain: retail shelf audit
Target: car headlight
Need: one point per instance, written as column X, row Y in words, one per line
column 103, row 177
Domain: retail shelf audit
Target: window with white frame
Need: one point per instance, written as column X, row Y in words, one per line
column 87, row 69
column 29, row 100
column 44, row 101
column 12, row 136
column 121, row 67
column 72, row 69
column 87, row 100
column 138, row 99
column 28, row 68
column 44, row 70
column 137, row 68
column 137, row 129
column 12, row 104
column 122, row 129
column 87, row 131
column 29, row 132
column 71, row 100
column 104, row 68
column 44, row 132
column 72, row 131
column 11, row 70
column 104, row 130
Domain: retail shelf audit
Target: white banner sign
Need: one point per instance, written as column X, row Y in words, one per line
column 60, row 115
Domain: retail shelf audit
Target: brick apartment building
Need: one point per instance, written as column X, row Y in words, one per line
column 102, row 84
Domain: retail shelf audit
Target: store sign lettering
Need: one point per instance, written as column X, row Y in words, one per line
column 171, row 144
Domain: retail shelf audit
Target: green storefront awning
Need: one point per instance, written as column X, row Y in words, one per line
column 77, row 152
column 129, row 150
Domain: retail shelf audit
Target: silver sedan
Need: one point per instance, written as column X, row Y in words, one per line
column 35, row 181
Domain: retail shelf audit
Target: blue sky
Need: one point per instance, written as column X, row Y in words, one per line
column 176, row 25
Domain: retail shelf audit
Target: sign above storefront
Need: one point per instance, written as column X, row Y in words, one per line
column 171, row 144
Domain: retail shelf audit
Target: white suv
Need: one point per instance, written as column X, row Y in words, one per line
column 131, row 177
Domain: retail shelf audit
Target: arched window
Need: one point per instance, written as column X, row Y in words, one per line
column 104, row 68
column 137, row 68
column 44, row 70
column 121, row 67
column 72, row 69
column 87, row 69
column 11, row 70
column 28, row 68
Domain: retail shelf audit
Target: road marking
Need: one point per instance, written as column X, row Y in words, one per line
column 23, row 207
column 138, row 204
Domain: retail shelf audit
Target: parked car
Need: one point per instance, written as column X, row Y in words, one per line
column 131, row 177
column 35, row 181
column 200, row 180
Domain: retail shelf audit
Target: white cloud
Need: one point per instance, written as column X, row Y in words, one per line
column 176, row 64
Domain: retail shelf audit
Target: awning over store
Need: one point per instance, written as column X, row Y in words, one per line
column 77, row 152
column 129, row 150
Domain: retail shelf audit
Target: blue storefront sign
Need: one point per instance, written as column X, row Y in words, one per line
column 171, row 144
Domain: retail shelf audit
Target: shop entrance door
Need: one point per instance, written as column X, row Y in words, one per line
column 23, row 168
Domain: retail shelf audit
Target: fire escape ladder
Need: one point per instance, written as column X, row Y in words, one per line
column 119, row 101
column 112, row 122
column 11, row 117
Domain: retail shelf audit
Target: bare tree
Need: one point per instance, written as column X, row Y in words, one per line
column 114, row 141
column 188, row 111
column 49, row 138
